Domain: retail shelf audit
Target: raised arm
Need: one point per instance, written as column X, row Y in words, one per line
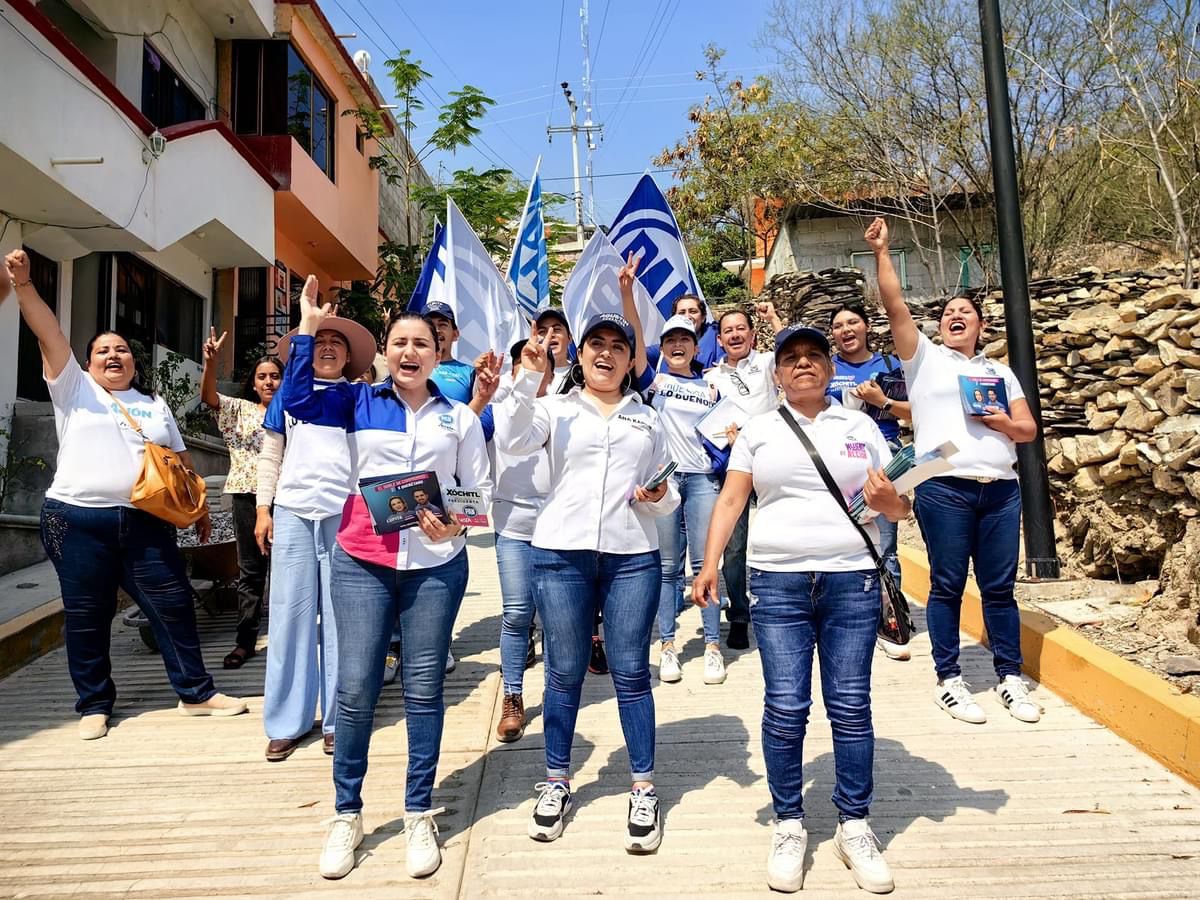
column 208, row 376
column 523, row 425
column 335, row 404
column 766, row 311
column 55, row 347
column 904, row 329
column 626, row 277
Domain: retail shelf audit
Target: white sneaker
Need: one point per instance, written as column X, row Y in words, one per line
column 451, row 662
column 93, row 726
column 856, row 846
column 785, row 862
column 1014, row 694
column 893, row 651
column 424, row 855
column 643, row 833
column 714, row 666
column 554, row 802
column 669, row 670
column 344, row 835
column 954, row 696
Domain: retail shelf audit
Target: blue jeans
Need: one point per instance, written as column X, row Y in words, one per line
column 836, row 614
column 965, row 521
column 302, row 655
column 370, row 600
column 516, row 616
column 95, row 550
column 568, row 587
column 686, row 527
column 733, row 568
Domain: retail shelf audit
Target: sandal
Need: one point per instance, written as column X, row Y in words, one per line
column 236, row 658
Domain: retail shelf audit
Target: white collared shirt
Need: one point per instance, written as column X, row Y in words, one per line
column 594, row 465
column 938, row 416
column 750, row 383
column 799, row 526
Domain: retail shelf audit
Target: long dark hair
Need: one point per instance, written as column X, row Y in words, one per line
column 248, row 392
column 852, row 306
column 139, row 382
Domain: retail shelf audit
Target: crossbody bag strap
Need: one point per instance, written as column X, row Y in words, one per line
column 830, row 484
column 128, row 418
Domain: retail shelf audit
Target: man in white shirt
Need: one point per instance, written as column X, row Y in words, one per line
column 746, row 376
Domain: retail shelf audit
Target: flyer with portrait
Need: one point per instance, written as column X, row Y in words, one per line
column 978, row 392
column 395, row 500
column 466, row 506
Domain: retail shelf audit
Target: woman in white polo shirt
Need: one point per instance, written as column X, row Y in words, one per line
column 595, row 544
column 94, row 537
column 813, row 586
column 304, row 478
column 973, row 513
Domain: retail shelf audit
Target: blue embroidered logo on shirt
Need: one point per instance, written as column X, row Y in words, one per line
column 446, row 421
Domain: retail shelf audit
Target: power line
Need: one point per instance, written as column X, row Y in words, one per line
column 557, row 56
column 600, row 40
column 655, row 20
column 616, row 174
column 663, row 32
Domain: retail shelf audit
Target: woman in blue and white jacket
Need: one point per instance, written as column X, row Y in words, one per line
column 416, row 577
column 595, row 544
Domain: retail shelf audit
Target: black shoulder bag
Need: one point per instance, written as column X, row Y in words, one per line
column 895, row 620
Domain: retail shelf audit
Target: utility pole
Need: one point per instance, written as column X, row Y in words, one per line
column 587, row 105
column 574, row 130
column 1041, row 557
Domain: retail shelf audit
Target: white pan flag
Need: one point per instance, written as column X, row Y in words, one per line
column 593, row 287
column 484, row 308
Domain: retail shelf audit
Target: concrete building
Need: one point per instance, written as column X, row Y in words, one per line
column 814, row 237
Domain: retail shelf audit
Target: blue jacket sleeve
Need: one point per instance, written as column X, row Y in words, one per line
column 719, row 457
column 332, row 406
column 488, row 420
column 274, row 420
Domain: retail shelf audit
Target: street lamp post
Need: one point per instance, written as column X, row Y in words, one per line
column 1041, row 557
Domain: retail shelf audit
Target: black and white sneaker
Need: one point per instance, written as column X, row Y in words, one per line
column 554, row 802
column 644, row 832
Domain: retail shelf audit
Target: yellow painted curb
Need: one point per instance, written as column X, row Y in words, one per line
column 1138, row 705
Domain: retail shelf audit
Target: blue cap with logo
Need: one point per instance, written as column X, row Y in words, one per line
column 611, row 320
column 438, row 308
column 799, row 332
column 552, row 312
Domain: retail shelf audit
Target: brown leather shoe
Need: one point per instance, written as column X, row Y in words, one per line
column 281, row 748
column 512, row 719
column 327, row 744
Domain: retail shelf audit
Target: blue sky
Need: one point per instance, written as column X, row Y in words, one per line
column 509, row 51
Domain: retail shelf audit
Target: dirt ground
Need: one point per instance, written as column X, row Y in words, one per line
column 1115, row 616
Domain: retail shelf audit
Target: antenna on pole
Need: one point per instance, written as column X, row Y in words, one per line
column 587, row 106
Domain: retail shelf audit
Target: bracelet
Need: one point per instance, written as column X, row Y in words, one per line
column 20, row 284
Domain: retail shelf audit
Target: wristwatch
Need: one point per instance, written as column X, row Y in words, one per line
column 887, row 404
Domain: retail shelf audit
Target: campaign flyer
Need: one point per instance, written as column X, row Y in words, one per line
column 394, row 500
column 978, row 392
column 466, row 506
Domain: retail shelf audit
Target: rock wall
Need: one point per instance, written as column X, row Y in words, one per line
column 1118, row 359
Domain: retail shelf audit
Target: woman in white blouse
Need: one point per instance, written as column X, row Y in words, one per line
column 813, row 587
column 595, row 544
column 92, row 533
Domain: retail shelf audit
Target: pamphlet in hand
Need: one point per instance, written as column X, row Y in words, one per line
column 906, row 471
column 978, row 392
column 395, row 500
column 465, row 506
column 712, row 424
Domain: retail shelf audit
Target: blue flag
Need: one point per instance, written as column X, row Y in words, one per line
column 431, row 285
column 646, row 227
column 529, row 270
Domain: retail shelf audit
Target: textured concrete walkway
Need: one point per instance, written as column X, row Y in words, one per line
column 167, row 806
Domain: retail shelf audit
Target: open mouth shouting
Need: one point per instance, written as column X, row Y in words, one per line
column 410, row 368
column 957, row 327
column 114, row 365
column 603, row 365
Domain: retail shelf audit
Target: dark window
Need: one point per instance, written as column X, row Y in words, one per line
column 275, row 92
column 295, row 286
column 155, row 309
column 31, row 385
column 360, row 141
column 166, row 100
column 250, row 327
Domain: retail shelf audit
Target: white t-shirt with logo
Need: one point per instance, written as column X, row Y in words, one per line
column 681, row 403
column 938, row 416
column 750, row 383
column 315, row 477
column 99, row 454
column 799, row 526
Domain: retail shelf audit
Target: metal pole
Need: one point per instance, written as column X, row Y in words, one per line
column 1041, row 557
column 575, row 166
column 587, row 105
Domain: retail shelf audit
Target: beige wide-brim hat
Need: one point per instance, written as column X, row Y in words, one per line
column 362, row 344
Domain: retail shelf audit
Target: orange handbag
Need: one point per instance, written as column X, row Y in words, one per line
column 166, row 488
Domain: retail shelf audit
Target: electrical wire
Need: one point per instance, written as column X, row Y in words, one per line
column 12, row 217
column 663, row 32
column 562, row 8
column 600, row 40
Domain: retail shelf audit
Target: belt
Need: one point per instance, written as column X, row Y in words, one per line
column 982, row 479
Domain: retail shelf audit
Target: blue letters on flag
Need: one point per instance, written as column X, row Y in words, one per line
column 529, row 270
column 646, row 226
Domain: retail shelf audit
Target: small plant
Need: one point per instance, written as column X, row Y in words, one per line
column 169, row 381
column 16, row 465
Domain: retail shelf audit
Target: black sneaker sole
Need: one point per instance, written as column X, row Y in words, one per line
column 544, row 836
